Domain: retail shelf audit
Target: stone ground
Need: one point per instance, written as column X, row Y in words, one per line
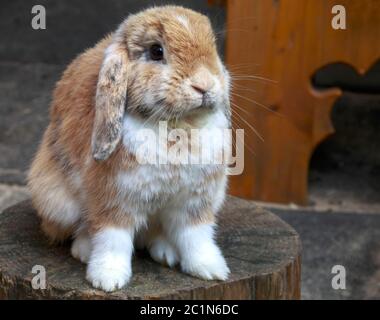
column 328, row 239
column 11, row 194
column 341, row 224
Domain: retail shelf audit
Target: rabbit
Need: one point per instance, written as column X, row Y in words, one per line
column 86, row 182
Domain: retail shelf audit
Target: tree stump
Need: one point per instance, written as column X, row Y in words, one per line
column 262, row 251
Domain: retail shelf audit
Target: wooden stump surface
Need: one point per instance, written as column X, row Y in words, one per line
column 262, row 251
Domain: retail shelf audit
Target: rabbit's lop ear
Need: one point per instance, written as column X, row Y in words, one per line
column 111, row 95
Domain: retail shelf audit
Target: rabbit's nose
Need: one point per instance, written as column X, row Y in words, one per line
column 202, row 81
column 202, row 90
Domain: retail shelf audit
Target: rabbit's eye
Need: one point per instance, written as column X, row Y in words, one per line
column 156, row 52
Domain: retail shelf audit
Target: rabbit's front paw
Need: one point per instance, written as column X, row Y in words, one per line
column 206, row 263
column 81, row 248
column 109, row 273
column 163, row 252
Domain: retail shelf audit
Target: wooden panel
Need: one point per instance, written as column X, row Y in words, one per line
column 287, row 41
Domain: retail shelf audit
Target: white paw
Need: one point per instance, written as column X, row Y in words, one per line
column 109, row 272
column 163, row 252
column 206, row 263
column 81, row 248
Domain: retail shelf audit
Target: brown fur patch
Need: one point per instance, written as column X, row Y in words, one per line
column 204, row 217
column 56, row 233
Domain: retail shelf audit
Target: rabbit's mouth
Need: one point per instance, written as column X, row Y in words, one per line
column 163, row 110
column 208, row 102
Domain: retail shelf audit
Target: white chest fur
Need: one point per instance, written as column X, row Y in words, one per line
column 154, row 184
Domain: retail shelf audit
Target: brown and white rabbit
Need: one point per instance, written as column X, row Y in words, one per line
column 86, row 182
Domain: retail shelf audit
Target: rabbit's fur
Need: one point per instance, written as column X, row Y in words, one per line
column 85, row 180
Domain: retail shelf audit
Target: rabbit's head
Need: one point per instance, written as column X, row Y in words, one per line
column 162, row 64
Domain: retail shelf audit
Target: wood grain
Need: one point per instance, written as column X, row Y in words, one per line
column 288, row 41
column 262, row 251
